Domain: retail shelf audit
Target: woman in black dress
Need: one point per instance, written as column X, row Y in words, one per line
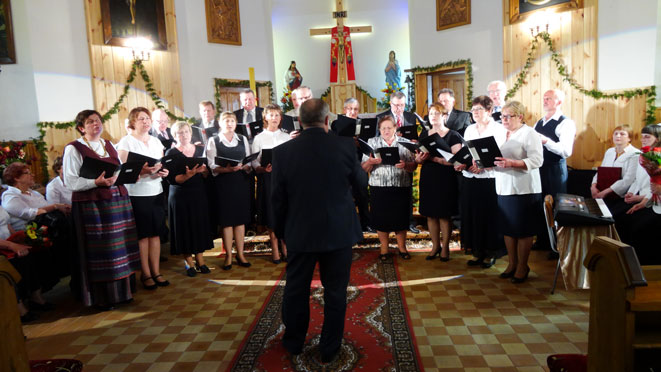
column 232, row 186
column 438, row 185
column 187, row 203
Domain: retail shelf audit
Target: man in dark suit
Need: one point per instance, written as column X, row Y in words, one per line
column 208, row 120
column 249, row 111
column 457, row 120
column 497, row 90
column 315, row 215
column 161, row 128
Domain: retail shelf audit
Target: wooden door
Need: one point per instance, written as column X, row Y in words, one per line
column 428, row 84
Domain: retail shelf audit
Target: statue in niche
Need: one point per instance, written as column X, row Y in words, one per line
column 293, row 78
column 393, row 73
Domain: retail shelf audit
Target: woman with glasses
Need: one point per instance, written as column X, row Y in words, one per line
column 478, row 201
column 519, row 190
column 438, row 185
column 146, row 195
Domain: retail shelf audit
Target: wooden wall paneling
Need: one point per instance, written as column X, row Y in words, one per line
column 421, row 93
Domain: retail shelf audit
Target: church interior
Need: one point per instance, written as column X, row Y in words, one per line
column 605, row 55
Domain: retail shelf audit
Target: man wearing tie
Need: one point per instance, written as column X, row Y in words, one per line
column 311, row 173
column 457, row 120
column 249, row 111
column 497, row 90
column 161, row 128
column 208, row 120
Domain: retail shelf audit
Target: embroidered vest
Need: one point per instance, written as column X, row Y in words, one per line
column 97, row 193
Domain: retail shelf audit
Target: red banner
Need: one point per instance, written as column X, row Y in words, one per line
column 336, row 56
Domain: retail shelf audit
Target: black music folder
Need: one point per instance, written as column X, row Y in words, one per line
column 365, row 148
column 256, row 127
column 435, row 146
column 267, row 157
column 192, row 162
column 93, row 167
column 346, row 126
column 287, row 124
column 129, row 173
column 462, row 156
column 409, row 132
column 388, row 155
column 169, row 162
column 249, row 158
column 368, row 128
column 134, row 157
column 413, row 147
column 224, row 162
column 211, row 131
column 484, row 151
column 241, row 129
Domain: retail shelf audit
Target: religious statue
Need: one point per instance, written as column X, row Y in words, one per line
column 393, row 72
column 293, row 78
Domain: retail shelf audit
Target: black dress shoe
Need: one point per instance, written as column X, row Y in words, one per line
column 274, row 261
column 445, row 259
column 516, row 280
column 204, row 269
column 475, row 262
column 507, row 275
column 404, row 255
column 243, row 264
column 162, row 283
column 414, row 229
column 327, row 358
column 227, row 267
column 191, row 272
column 488, row 263
column 432, row 256
column 144, row 280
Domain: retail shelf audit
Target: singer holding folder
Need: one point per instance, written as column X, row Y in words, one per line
column 188, row 210
column 232, row 186
column 438, row 185
column 107, row 246
column 146, row 195
column 519, row 190
column 390, row 188
column 271, row 137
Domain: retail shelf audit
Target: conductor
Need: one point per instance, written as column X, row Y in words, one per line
column 316, row 216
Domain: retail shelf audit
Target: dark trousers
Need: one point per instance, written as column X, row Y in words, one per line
column 334, row 269
column 361, row 199
column 554, row 182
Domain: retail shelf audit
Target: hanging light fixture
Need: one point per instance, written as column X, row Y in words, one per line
column 140, row 48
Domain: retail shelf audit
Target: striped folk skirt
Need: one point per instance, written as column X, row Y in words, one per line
column 108, row 253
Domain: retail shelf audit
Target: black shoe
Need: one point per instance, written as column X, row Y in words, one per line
column 204, row 269
column 516, row 280
column 369, row 230
column 476, row 262
column 327, row 358
column 144, row 279
column 445, row 259
column 488, row 263
column 191, row 272
column 46, row 306
column 414, row 229
column 404, row 255
column 227, row 267
column 384, row 257
column 292, row 350
column 507, row 275
column 163, row 283
column 29, row 317
column 243, row 264
column 431, row 257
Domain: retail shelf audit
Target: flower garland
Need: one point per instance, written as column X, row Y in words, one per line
column 11, row 152
column 149, row 87
column 223, row 83
column 563, row 70
column 466, row 63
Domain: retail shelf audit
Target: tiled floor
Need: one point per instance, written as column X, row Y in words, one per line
column 473, row 322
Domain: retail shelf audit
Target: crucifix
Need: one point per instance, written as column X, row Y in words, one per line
column 341, row 53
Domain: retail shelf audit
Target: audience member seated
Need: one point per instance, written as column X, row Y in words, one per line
column 56, row 192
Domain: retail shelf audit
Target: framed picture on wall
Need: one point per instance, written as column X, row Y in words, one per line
column 7, row 51
column 125, row 19
column 519, row 9
column 452, row 13
column 223, row 21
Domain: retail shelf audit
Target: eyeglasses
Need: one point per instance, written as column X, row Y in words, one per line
column 507, row 117
column 398, row 104
column 92, row 121
column 477, row 109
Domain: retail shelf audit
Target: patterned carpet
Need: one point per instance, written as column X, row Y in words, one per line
column 476, row 322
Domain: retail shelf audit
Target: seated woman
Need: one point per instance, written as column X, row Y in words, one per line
column 519, row 190
column 187, row 203
column 29, row 290
column 438, row 185
column 56, row 192
column 107, row 248
column 271, row 137
column 623, row 155
column 146, row 196
column 390, row 189
column 232, row 185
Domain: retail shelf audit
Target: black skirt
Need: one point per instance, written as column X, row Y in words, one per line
column 189, row 220
column 438, row 190
column 520, row 216
column 479, row 217
column 265, row 214
column 149, row 215
column 233, row 203
column 389, row 208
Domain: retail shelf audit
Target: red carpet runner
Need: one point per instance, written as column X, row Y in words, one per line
column 377, row 334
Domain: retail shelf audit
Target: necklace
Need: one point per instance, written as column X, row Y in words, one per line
column 105, row 152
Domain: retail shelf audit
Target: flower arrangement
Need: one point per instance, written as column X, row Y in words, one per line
column 37, row 236
column 285, row 100
column 650, row 160
column 388, row 91
column 11, row 152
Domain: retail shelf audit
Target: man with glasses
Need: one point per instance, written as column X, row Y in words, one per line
column 497, row 90
column 457, row 120
column 249, row 111
column 160, row 128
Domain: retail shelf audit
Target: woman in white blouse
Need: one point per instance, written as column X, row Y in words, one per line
column 56, row 192
column 146, row 195
column 519, row 190
column 103, row 217
column 232, row 185
column 622, row 155
column 479, row 201
column 271, row 137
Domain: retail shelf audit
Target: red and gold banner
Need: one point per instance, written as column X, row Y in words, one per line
column 341, row 46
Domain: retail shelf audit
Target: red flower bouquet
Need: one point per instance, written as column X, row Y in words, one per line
column 650, row 159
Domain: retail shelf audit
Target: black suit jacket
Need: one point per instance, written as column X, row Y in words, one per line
column 311, row 192
column 458, row 121
column 167, row 142
column 239, row 114
column 196, row 134
column 409, row 117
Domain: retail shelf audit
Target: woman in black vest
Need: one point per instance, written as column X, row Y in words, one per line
column 232, row 185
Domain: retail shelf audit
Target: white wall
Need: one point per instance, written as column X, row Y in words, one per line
column 201, row 61
column 657, row 72
column 292, row 20
column 18, row 101
column 481, row 41
column 627, row 46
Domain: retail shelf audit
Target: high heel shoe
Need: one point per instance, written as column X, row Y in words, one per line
column 507, row 274
column 516, row 280
column 404, row 255
column 431, row 257
column 488, row 263
column 445, row 259
column 204, row 269
column 243, row 264
column 477, row 261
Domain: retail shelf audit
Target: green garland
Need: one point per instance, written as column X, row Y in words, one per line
column 650, row 112
column 149, row 87
column 453, row 64
column 221, row 83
